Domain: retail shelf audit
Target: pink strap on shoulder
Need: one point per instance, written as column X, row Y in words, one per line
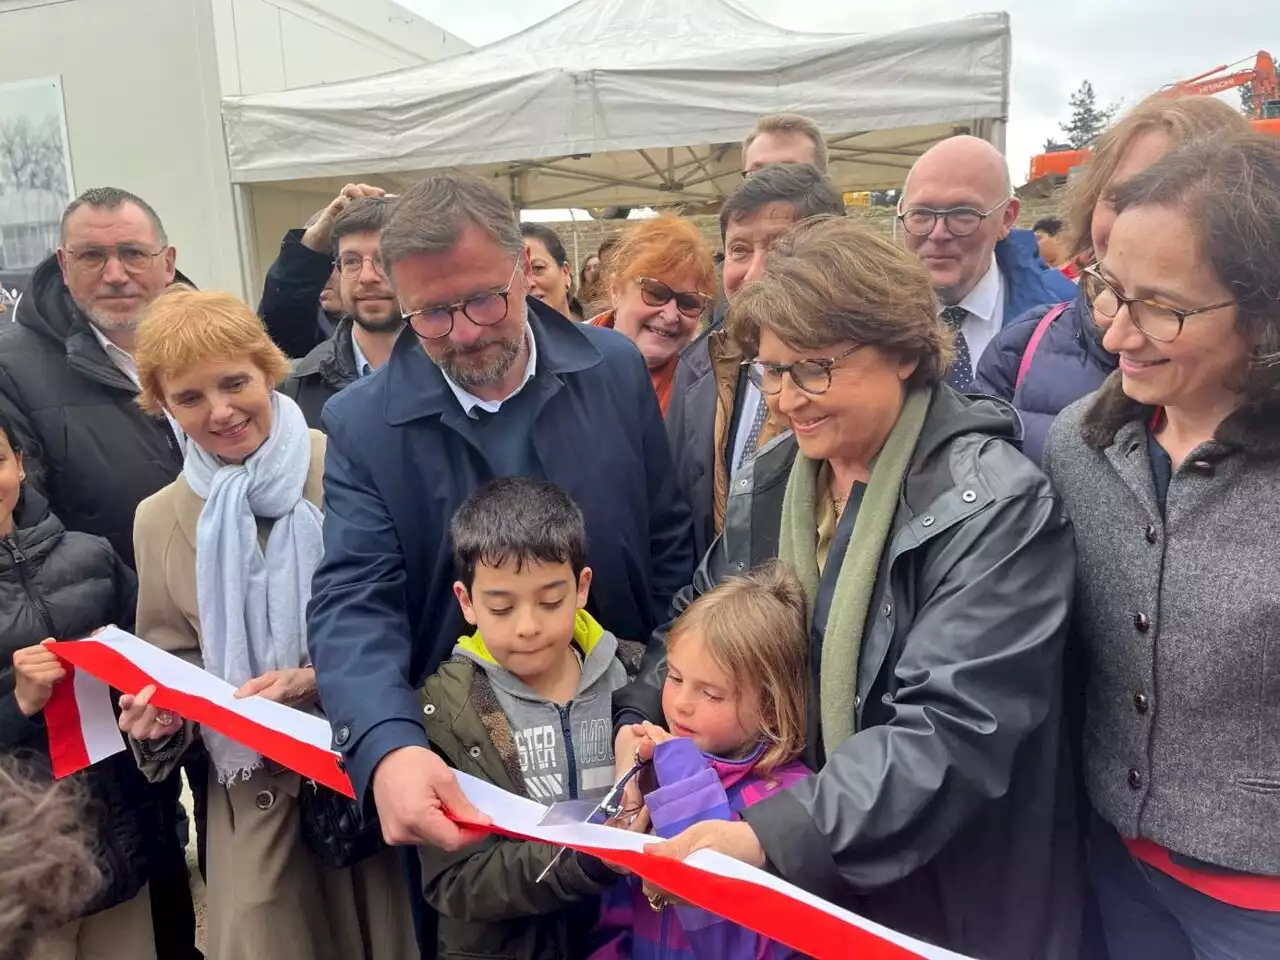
column 1036, row 336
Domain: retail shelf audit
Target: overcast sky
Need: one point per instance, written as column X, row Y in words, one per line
column 1127, row 49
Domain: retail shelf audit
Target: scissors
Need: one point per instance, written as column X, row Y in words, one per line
column 584, row 811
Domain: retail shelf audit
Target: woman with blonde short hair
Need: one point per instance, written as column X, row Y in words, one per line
column 225, row 556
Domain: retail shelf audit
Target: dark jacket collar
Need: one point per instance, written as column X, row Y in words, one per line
column 334, row 360
column 36, row 531
column 1250, row 429
column 414, row 387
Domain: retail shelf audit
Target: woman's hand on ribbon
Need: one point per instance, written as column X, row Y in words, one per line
column 733, row 838
column 293, row 688
column 141, row 721
column 35, row 671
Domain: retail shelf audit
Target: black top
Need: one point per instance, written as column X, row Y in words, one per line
column 1161, row 469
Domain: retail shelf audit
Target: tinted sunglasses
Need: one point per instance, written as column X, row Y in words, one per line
column 655, row 293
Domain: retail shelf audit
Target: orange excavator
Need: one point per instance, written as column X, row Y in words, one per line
column 1262, row 77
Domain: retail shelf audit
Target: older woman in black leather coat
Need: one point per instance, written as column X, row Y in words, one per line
column 939, row 567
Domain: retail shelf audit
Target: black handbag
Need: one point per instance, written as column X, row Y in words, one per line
column 335, row 828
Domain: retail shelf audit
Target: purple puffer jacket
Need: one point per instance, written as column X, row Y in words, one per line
column 692, row 787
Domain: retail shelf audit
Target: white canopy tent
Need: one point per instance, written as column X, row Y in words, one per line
column 632, row 102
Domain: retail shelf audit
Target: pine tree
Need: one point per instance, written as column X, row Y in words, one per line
column 1246, row 99
column 1087, row 118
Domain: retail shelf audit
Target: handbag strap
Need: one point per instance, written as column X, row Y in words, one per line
column 1037, row 335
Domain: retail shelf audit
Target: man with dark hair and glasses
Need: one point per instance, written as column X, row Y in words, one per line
column 957, row 213
column 69, row 385
column 484, row 382
column 716, row 419
column 301, row 301
column 370, row 316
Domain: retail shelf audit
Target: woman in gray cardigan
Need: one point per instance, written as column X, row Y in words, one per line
column 1171, row 473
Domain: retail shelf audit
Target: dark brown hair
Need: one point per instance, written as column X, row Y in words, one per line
column 828, row 281
column 1180, row 118
column 365, row 215
column 1229, row 189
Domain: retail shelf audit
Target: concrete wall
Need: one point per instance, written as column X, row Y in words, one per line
column 140, row 85
column 142, row 82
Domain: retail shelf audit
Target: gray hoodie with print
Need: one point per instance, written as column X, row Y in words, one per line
column 566, row 752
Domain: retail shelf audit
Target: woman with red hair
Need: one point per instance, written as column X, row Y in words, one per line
column 661, row 279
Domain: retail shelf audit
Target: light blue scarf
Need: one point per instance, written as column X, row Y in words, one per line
column 253, row 605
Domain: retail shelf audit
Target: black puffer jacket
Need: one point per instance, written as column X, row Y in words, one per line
column 88, row 446
column 65, row 585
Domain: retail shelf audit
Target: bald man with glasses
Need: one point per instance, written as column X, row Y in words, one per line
column 958, row 212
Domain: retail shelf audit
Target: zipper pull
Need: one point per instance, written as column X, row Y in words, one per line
column 12, row 546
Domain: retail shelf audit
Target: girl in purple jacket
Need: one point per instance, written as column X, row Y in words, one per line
column 735, row 705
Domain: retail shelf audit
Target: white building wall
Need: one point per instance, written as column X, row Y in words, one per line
column 140, row 85
column 142, row 82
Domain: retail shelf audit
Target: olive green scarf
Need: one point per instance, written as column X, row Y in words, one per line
column 798, row 547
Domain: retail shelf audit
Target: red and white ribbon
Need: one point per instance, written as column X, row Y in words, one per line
column 297, row 740
column 82, row 729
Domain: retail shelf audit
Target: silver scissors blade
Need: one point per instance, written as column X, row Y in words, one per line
column 584, row 811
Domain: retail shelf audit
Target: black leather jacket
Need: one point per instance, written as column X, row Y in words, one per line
column 950, row 814
column 54, row 583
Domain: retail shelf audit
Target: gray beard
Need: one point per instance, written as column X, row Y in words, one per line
column 480, row 376
column 473, row 377
column 108, row 322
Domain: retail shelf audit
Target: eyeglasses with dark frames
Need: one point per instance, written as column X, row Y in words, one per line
column 350, row 264
column 960, row 221
column 482, row 309
column 655, row 293
column 811, row 376
column 94, row 259
column 1154, row 319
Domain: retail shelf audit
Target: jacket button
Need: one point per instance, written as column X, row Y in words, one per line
column 1141, row 622
column 927, row 522
column 743, row 482
column 342, row 736
column 1135, row 780
column 886, row 609
column 474, row 753
column 1141, row 703
column 968, row 496
column 740, row 566
column 857, row 702
column 1152, row 533
column 1202, row 467
column 265, row 799
column 429, row 708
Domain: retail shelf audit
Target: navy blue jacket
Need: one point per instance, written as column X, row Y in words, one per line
column 1068, row 364
column 290, row 305
column 400, row 462
column 1028, row 281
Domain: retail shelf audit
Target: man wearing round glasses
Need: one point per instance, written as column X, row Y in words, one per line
column 957, row 214
column 484, row 382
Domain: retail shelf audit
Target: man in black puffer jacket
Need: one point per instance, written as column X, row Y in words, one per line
column 59, row 584
column 68, row 384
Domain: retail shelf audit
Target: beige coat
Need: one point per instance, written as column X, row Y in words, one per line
column 267, row 895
